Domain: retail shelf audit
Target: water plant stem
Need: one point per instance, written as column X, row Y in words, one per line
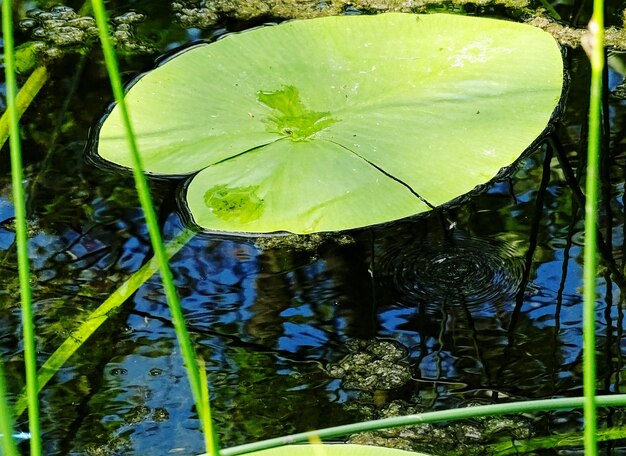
column 210, row 436
column 595, row 51
column 143, row 191
column 24, row 98
column 423, row 418
column 8, row 446
column 19, row 202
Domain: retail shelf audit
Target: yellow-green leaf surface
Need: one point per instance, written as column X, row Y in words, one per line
column 341, row 122
column 333, row 450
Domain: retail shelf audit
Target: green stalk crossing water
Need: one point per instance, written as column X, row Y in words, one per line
column 160, row 254
column 21, row 236
column 595, row 50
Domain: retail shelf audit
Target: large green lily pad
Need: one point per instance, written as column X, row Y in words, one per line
column 341, row 122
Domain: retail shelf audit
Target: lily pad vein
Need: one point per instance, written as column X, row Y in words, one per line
column 379, row 169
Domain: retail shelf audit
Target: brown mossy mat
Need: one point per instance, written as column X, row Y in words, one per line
column 205, row 13
column 568, row 36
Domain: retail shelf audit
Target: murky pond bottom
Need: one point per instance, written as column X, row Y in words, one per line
column 476, row 303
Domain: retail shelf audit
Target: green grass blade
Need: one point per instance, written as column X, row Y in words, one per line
column 19, row 200
column 595, row 49
column 141, row 183
column 423, row 418
column 210, row 438
column 80, row 335
column 24, row 98
column 8, row 446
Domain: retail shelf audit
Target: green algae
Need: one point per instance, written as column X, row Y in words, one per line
column 240, row 203
column 291, row 117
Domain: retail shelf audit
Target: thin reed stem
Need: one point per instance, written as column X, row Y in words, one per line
column 24, row 98
column 595, row 50
column 8, row 446
column 21, row 236
column 210, row 437
column 143, row 191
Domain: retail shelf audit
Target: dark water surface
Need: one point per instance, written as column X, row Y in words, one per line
column 481, row 301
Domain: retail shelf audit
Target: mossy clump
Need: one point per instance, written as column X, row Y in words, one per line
column 60, row 30
column 458, row 438
column 302, row 242
column 205, row 13
column 614, row 37
column 372, row 365
column 124, row 34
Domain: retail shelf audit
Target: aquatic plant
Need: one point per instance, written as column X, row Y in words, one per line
column 340, row 122
column 196, row 379
column 596, row 53
column 19, row 200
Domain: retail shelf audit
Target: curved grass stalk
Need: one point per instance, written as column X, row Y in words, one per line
column 80, row 335
column 595, row 50
column 423, row 418
column 19, row 201
column 7, row 445
column 141, row 183
column 24, row 98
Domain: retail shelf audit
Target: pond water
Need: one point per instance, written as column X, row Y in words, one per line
column 477, row 303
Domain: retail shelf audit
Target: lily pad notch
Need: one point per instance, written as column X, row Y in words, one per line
column 336, row 123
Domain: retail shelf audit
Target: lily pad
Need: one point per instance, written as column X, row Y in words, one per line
column 341, row 122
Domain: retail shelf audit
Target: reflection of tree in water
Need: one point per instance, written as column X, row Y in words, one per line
column 329, row 290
